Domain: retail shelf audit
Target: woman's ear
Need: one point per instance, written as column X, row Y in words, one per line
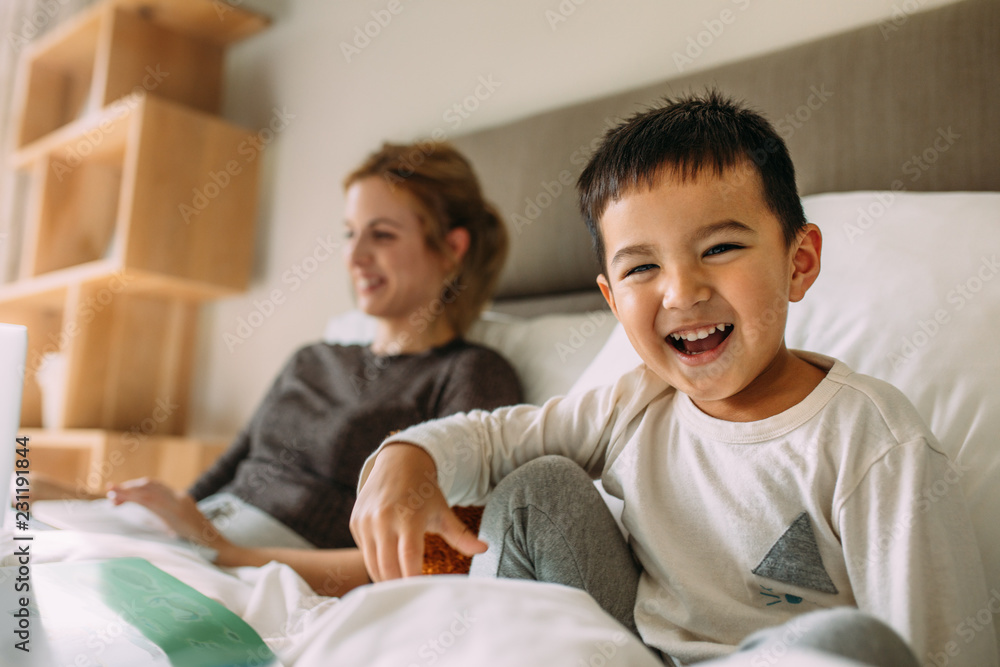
column 805, row 262
column 458, row 241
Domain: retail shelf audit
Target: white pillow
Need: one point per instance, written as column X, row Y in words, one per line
column 908, row 292
column 547, row 352
column 350, row 328
column 614, row 360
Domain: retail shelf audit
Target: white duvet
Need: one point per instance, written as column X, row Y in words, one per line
column 439, row 620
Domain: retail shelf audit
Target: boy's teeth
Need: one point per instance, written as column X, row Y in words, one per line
column 698, row 335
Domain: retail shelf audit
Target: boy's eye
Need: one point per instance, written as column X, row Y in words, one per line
column 640, row 269
column 721, row 248
column 382, row 235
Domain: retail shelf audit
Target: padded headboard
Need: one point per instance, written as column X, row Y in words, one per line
column 913, row 100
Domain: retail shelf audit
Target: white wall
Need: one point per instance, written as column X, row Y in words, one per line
column 429, row 56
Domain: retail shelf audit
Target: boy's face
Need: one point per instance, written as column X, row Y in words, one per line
column 700, row 277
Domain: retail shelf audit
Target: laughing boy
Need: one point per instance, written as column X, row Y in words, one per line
column 772, row 496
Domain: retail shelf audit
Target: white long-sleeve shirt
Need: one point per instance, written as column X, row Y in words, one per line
column 844, row 499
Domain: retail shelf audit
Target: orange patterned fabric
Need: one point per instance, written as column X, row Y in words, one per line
column 439, row 557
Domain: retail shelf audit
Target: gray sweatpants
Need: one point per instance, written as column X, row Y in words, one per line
column 547, row 522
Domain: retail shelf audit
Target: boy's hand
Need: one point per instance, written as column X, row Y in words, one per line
column 389, row 525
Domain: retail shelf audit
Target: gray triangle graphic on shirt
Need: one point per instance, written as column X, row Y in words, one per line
column 794, row 559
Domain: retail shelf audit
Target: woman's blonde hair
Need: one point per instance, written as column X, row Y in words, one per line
column 444, row 185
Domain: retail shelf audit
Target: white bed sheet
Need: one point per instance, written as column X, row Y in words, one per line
column 440, row 620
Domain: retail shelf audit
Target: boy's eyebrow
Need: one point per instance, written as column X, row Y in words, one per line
column 631, row 251
column 709, row 231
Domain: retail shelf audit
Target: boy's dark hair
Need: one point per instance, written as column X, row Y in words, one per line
column 685, row 136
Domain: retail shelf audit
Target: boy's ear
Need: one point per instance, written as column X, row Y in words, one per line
column 609, row 296
column 805, row 262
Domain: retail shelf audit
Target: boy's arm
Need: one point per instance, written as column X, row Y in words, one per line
column 401, row 502
column 912, row 557
column 458, row 459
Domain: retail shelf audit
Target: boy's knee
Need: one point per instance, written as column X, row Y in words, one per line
column 554, row 466
column 543, row 480
column 545, row 472
column 844, row 631
column 844, row 623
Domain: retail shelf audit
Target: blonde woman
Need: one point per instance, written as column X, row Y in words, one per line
column 423, row 250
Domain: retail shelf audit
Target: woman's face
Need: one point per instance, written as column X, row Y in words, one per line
column 393, row 271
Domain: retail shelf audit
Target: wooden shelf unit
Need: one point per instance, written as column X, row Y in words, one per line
column 141, row 204
column 87, row 460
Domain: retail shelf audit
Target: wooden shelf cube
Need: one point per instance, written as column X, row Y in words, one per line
column 149, row 186
column 128, row 354
column 174, row 48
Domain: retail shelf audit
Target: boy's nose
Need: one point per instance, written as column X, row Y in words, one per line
column 683, row 289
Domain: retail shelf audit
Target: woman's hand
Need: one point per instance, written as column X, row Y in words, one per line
column 399, row 502
column 177, row 509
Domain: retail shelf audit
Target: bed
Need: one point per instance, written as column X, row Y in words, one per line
column 894, row 132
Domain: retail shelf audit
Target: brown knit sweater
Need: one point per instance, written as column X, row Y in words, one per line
column 330, row 407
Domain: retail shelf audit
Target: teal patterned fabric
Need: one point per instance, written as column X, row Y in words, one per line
column 127, row 612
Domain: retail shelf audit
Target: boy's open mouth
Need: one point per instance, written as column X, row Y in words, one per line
column 698, row 341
